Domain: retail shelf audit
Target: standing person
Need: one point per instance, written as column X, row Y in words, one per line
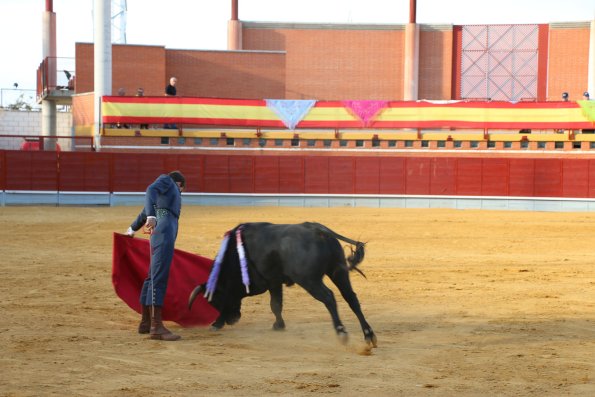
column 163, row 202
column 171, row 90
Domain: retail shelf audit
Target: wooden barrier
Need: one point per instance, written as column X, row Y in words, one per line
column 302, row 174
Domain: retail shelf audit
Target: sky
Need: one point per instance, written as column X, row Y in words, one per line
column 201, row 24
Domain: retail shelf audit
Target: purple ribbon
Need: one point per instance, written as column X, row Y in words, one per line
column 214, row 276
column 243, row 262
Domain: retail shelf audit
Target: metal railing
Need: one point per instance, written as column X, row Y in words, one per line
column 55, row 74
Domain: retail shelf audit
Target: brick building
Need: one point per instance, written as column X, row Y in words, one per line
column 343, row 62
column 340, row 62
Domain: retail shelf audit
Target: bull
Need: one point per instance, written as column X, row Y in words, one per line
column 260, row 257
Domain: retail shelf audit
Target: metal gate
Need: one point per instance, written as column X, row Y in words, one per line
column 499, row 62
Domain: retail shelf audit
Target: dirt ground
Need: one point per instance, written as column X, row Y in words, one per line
column 464, row 303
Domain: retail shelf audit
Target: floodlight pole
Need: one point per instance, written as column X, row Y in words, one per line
column 102, row 75
column 48, row 106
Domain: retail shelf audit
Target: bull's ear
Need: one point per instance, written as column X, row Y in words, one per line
column 195, row 292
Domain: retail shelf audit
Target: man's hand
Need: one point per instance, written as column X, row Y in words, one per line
column 150, row 224
column 129, row 232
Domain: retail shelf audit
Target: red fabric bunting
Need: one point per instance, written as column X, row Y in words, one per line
column 130, row 265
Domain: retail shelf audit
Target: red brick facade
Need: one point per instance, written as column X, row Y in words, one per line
column 133, row 66
column 329, row 62
column 568, row 60
column 335, row 64
column 435, row 60
column 227, row 74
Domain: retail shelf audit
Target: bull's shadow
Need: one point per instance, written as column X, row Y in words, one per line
column 259, row 257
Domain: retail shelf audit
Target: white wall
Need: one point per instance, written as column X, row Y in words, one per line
column 18, row 122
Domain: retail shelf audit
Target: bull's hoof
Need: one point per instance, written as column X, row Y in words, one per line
column 279, row 326
column 372, row 341
column 370, row 338
column 217, row 325
column 233, row 318
column 342, row 335
column 213, row 328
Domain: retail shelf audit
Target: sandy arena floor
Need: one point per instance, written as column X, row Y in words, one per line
column 464, row 303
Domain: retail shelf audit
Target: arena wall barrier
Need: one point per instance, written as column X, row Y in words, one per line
column 68, row 178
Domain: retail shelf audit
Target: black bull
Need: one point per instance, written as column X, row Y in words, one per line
column 287, row 254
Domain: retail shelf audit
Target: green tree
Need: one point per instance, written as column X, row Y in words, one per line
column 20, row 104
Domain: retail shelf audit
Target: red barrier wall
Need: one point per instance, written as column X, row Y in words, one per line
column 216, row 173
column 26, row 170
column 82, row 172
column 2, row 169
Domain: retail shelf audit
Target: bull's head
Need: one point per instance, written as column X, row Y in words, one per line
column 228, row 285
column 228, row 305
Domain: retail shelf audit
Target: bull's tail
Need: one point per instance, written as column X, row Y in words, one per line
column 357, row 254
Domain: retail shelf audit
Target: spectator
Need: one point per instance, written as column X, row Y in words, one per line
column 171, row 90
column 565, row 96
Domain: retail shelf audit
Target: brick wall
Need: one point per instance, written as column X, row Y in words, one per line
column 568, row 60
column 227, row 74
column 335, row 62
column 84, row 69
column 218, row 74
column 133, row 66
column 435, row 61
column 329, row 62
column 139, row 66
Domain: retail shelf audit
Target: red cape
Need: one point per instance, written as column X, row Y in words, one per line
column 130, row 266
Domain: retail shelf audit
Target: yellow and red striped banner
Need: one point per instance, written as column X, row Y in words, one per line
column 505, row 115
column 335, row 114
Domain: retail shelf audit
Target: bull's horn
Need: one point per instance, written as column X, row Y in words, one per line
column 193, row 295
